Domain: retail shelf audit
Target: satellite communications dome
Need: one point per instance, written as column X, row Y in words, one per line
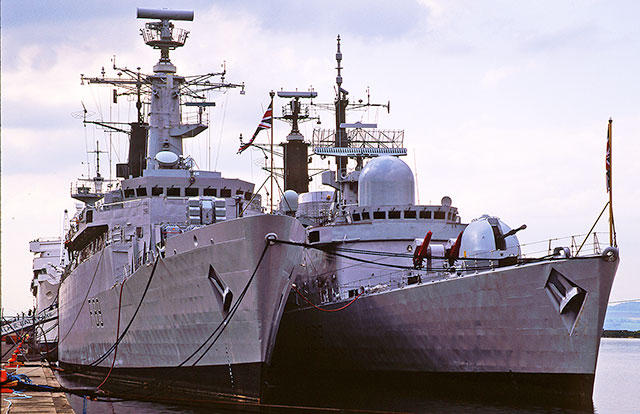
column 289, row 202
column 386, row 181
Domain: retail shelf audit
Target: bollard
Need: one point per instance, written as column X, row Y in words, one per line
column 3, row 378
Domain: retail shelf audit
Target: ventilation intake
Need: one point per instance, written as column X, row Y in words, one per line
column 566, row 296
column 221, row 288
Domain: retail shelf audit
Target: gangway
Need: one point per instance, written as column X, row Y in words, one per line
column 26, row 322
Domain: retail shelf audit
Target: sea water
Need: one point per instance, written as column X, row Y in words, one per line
column 617, row 386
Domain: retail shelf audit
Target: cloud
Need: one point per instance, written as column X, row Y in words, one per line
column 494, row 76
column 567, row 39
column 503, row 104
column 372, row 19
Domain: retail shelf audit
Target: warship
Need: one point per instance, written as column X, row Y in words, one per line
column 174, row 278
column 49, row 257
column 407, row 295
column 40, row 324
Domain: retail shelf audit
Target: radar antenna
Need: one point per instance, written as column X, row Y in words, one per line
column 353, row 140
column 163, row 34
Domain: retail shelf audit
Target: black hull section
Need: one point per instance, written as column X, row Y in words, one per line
column 236, row 382
column 48, row 351
column 407, row 390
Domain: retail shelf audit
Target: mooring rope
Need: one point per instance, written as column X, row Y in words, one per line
column 323, row 309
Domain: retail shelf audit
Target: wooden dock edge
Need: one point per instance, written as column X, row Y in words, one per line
column 41, row 402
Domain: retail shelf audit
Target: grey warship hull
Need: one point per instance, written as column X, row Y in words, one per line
column 404, row 295
column 179, row 335
column 174, row 278
column 501, row 326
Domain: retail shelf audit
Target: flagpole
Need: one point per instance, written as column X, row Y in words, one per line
column 272, row 94
column 609, row 132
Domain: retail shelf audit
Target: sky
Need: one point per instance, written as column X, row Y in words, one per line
column 504, row 104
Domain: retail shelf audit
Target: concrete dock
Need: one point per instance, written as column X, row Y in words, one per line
column 41, row 402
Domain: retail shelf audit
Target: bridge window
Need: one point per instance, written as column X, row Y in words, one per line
column 191, row 191
column 424, row 214
column 377, row 215
column 142, row 191
column 248, row 195
column 438, row 215
column 173, row 192
column 225, row 193
column 128, row 193
column 394, row 214
column 156, row 191
column 409, row 214
column 365, row 215
column 356, row 216
column 210, row 192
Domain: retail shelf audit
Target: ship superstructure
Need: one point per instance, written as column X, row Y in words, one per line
column 409, row 295
column 173, row 274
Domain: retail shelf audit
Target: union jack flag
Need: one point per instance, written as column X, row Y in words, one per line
column 608, row 158
column 264, row 124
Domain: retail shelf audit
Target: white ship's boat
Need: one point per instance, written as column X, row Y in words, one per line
column 409, row 296
column 174, row 279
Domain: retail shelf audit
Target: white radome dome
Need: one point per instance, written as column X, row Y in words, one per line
column 167, row 159
column 385, row 181
column 289, row 202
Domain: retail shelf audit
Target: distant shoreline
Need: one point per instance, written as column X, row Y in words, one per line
column 620, row 334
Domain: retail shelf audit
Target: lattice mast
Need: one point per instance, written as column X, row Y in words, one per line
column 353, row 140
column 341, row 103
column 165, row 85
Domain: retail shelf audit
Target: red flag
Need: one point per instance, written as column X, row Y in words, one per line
column 264, row 124
column 608, row 158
